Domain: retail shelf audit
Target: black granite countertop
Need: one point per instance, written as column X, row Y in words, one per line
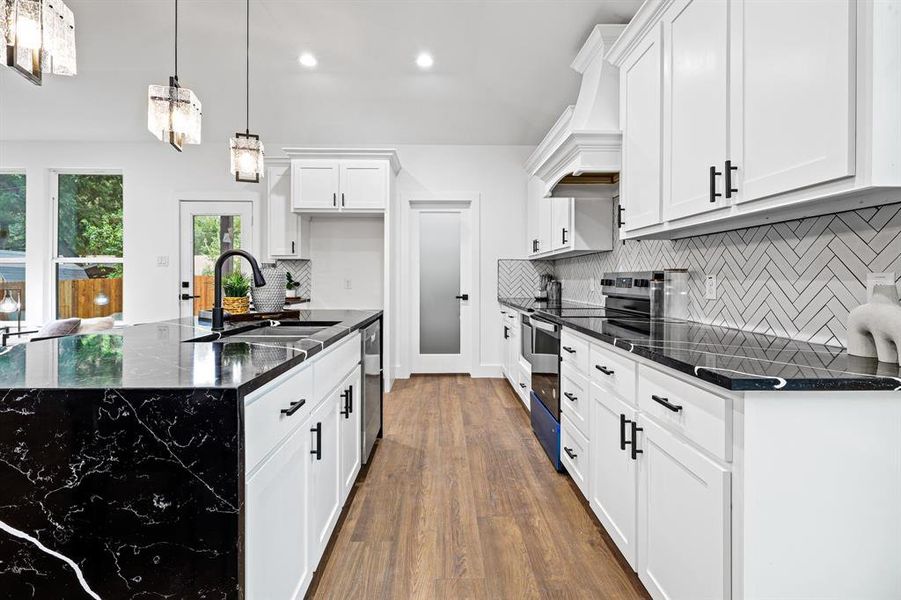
column 159, row 356
column 730, row 358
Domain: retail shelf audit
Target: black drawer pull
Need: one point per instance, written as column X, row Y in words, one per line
column 522, row 385
column 665, row 402
column 506, row 332
column 634, row 442
column 318, row 431
column 568, row 349
column 294, row 407
column 570, row 396
column 569, row 452
column 603, row 370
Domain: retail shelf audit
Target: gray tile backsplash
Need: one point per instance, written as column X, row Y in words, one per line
column 797, row 279
column 519, row 278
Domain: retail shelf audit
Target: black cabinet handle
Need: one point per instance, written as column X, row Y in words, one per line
column 522, row 385
column 665, row 402
column 350, row 398
column 568, row 349
column 713, row 193
column 506, row 332
column 334, row 199
column 464, row 297
column 603, row 370
column 622, row 431
column 634, row 442
column 293, row 407
column 318, row 431
column 728, row 171
column 188, row 297
column 564, row 235
column 570, row 452
column 292, row 247
column 570, row 396
column 534, row 246
column 346, row 412
column 619, row 217
column 342, row 198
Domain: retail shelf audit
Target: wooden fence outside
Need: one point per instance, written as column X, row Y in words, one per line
column 78, row 297
column 205, row 290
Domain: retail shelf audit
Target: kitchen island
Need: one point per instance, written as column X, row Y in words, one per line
column 122, row 454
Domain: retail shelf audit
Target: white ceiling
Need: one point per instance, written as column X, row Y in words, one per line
column 501, row 73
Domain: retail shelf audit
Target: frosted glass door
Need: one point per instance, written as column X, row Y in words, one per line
column 439, row 282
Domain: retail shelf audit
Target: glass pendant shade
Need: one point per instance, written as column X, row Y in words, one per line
column 246, row 157
column 59, row 39
column 7, row 304
column 173, row 114
column 39, row 37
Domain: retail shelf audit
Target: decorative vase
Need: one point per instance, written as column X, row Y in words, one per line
column 874, row 328
column 292, row 293
column 236, row 305
column 270, row 297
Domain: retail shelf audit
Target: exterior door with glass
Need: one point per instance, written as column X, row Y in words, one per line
column 207, row 230
column 442, row 278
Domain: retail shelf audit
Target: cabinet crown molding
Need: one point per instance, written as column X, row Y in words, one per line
column 647, row 17
column 389, row 154
column 600, row 38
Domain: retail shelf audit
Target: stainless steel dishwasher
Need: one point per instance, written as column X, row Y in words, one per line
column 373, row 386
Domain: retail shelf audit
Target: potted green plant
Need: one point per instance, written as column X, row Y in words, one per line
column 236, row 285
column 291, row 287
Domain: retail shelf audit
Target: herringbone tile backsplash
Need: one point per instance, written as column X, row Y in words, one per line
column 520, row 278
column 301, row 271
column 797, row 279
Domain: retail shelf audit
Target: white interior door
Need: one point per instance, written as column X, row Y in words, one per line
column 207, row 229
column 441, row 248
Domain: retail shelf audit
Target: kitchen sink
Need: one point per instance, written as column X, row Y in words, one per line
column 260, row 333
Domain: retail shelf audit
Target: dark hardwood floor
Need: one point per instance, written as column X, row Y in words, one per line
column 461, row 502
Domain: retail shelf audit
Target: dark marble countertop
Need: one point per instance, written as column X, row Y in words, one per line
column 159, row 356
column 730, row 358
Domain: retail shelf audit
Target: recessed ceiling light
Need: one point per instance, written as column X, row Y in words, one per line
column 307, row 60
column 424, row 60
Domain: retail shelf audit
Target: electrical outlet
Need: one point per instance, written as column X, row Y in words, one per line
column 874, row 279
column 162, row 261
column 591, row 287
column 710, row 287
column 348, row 284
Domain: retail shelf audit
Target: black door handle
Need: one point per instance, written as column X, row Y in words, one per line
column 713, row 193
column 522, row 385
column 292, row 247
column 564, row 235
column 342, row 198
column 462, row 297
column 570, row 396
column 622, row 431
column 334, row 199
column 318, row 431
column 569, row 451
column 293, row 407
column 350, row 398
column 635, row 450
column 534, row 245
column 603, row 370
column 619, row 217
column 506, row 332
column 188, row 297
column 728, row 171
column 665, row 402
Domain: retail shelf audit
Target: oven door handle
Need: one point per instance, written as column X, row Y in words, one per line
column 543, row 325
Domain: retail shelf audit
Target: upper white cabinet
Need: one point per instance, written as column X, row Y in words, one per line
column 285, row 229
column 750, row 112
column 571, row 226
column 329, row 181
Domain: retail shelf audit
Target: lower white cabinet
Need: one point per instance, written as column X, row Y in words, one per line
column 324, row 487
column 683, row 519
column 350, row 431
column 614, row 473
column 575, row 454
column 276, row 524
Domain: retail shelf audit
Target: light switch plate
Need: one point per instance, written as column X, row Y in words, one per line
column 162, row 261
column 710, row 287
column 348, row 284
column 874, row 279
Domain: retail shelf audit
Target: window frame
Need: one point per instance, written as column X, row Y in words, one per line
column 18, row 261
column 56, row 259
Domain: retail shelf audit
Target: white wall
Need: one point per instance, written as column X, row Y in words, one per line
column 346, row 249
column 155, row 177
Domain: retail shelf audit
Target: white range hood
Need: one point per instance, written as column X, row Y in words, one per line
column 587, row 136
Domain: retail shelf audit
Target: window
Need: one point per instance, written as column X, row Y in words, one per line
column 12, row 245
column 88, row 267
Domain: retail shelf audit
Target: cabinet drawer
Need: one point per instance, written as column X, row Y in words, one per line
column 265, row 425
column 574, row 398
column 574, row 454
column 614, row 372
column 335, row 364
column 702, row 417
column 524, row 386
column 574, row 351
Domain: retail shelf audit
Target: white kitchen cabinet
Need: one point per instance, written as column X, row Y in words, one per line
column 794, row 116
column 350, row 410
column 315, row 184
column 570, row 226
column 561, row 222
column 277, row 565
column 534, row 196
column 683, row 518
column 545, row 225
column 363, row 185
column 287, row 232
column 614, row 474
column 575, row 455
column 641, row 104
column 323, row 468
column 695, row 101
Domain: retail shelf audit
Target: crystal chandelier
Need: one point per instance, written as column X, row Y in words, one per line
column 39, row 36
column 173, row 112
column 246, row 148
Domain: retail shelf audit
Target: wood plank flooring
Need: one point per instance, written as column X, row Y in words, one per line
column 461, row 502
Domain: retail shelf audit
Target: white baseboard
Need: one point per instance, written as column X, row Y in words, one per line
column 489, row 370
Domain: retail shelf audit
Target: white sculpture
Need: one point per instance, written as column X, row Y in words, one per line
column 874, row 328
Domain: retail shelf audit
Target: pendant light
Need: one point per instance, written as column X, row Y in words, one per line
column 246, row 148
column 39, row 37
column 173, row 112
